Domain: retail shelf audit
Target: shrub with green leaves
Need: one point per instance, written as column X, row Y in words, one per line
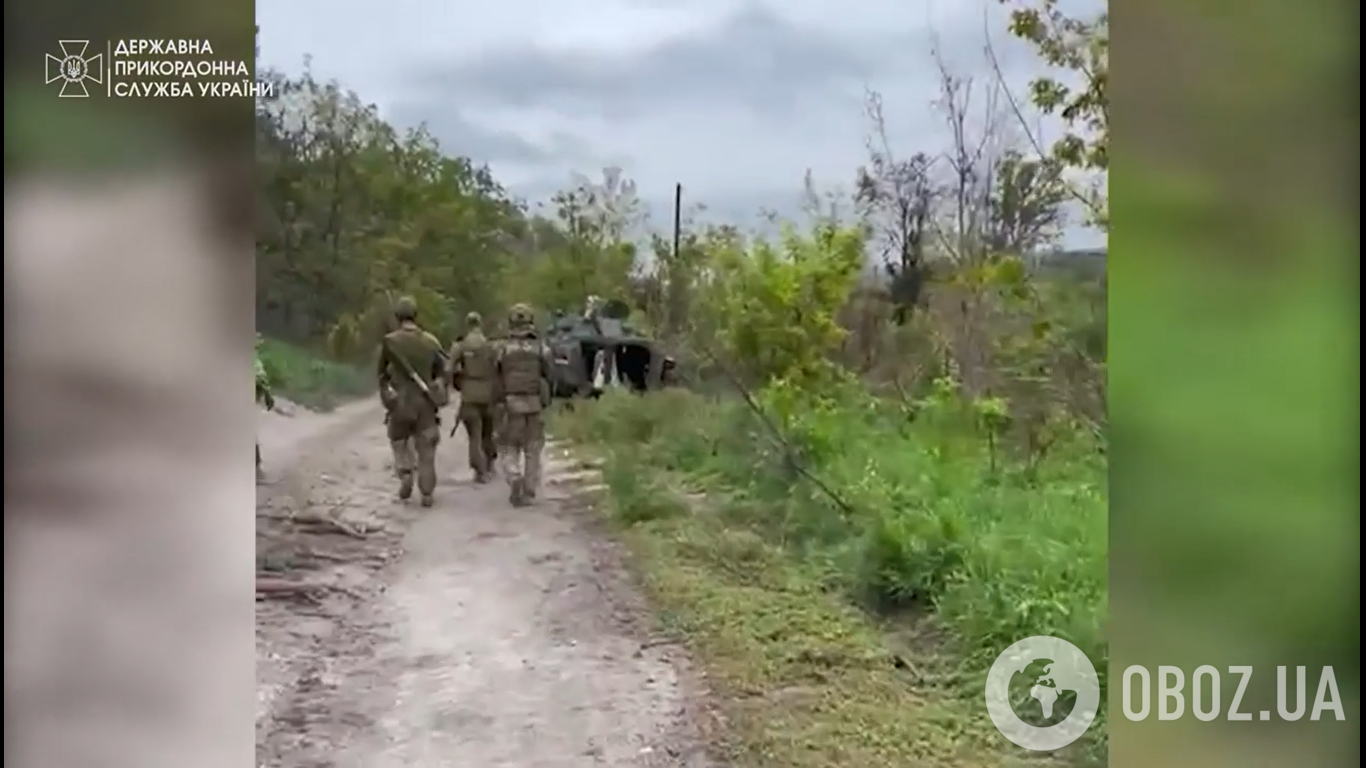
column 918, row 514
column 308, row 379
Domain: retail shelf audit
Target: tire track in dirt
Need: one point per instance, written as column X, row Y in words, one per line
column 469, row 634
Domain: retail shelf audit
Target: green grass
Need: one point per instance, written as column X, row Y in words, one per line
column 929, row 551
column 309, row 379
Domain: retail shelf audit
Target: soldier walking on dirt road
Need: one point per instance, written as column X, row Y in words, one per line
column 472, row 373
column 412, row 386
column 263, row 396
column 523, row 375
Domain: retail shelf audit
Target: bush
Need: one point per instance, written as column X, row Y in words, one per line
column 309, row 379
column 921, row 514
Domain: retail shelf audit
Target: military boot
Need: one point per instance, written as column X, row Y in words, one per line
column 405, row 485
column 427, row 500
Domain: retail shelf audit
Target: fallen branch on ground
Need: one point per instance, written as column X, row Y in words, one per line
column 313, row 554
column 270, row 586
column 789, row 453
column 327, row 522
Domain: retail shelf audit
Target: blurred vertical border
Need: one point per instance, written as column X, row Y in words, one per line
column 1234, row 392
column 129, row 537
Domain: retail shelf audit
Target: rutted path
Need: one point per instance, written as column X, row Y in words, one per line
column 469, row 634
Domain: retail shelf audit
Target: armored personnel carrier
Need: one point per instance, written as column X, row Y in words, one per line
column 598, row 350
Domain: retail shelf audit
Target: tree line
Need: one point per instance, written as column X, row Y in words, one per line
column 354, row 211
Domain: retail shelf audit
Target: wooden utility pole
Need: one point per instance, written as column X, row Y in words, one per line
column 678, row 217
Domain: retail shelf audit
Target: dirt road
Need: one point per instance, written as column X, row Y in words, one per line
column 469, row 634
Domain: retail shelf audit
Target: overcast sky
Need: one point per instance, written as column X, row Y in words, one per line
column 734, row 99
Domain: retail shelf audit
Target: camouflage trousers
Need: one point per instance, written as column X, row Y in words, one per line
column 478, row 420
column 524, row 438
column 414, row 442
column 500, row 423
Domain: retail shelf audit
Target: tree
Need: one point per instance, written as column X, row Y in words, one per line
column 593, row 250
column 1081, row 48
column 896, row 197
column 776, row 304
column 353, row 212
column 1025, row 213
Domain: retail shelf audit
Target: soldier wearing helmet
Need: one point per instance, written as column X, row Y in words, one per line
column 412, row 386
column 523, row 373
column 472, row 373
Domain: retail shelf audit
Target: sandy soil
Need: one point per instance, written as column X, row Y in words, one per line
column 469, row 634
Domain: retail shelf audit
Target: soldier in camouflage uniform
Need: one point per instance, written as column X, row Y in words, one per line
column 523, row 368
column 412, row 386
column 263, row 396
column 472, row 361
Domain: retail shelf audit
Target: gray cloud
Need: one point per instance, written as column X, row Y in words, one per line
column 496, row 145
column 734, row 99
column 754, row 59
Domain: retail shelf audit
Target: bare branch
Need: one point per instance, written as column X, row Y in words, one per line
column 896, row 198
column 1091, row 204
column 971, row 159
column 790, row 456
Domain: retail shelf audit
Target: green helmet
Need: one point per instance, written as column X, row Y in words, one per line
column 405, row 309
column 474, row 318
column 521, row 316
